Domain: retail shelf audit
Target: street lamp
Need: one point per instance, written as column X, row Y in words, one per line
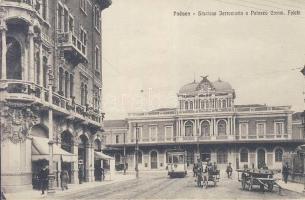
column 51, row 175
column 137, row 150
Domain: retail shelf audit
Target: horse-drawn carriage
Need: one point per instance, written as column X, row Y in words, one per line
column 262, row 178
column 207, row 174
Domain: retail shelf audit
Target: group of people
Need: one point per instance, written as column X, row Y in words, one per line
column 44, row 179
column 200, row 167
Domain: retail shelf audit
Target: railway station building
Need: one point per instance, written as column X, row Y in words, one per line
column 207, row 124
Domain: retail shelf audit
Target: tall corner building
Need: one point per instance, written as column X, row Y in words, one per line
column 207, row 124
column 50, row 88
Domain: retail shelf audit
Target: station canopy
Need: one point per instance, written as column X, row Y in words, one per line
column 101, row 156
column 40, row 151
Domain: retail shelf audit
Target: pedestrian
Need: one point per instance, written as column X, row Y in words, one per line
column 43, row 179
column 195, row 169
column 285, row 172
column 64, row 176
column 80, row 175
column 229, row 170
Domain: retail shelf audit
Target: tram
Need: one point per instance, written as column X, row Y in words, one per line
column 176, row 163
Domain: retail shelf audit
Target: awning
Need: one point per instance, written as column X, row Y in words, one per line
column 40, row 150
column 102, row 156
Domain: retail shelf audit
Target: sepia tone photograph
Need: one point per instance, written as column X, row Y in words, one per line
column 163, row 99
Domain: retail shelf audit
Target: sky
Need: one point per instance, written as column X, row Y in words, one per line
column 149, row 54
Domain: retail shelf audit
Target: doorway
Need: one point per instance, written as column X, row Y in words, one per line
column 261, row 158
column 153, row 160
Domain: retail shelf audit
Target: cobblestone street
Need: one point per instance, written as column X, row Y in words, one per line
column 159, row 186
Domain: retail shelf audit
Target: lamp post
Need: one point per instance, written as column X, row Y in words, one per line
column 137, row 150
column 51, row 175
column 124, row 153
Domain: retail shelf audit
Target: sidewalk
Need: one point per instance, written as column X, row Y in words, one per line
column 36, row 194
column 295, row 187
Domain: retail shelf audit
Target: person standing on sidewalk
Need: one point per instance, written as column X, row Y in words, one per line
column 229, row 170
column 285, row 172
column 43, row 178
column 64, row 176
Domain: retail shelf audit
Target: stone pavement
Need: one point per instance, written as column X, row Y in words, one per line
column 36, row 194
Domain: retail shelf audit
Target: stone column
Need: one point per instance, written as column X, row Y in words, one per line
column 74, row 174
column 31, row 66
column 3, row 30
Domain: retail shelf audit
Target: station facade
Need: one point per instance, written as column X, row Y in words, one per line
column 208, row 125
column 50, row 89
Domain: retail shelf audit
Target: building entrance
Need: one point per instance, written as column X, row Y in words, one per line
column 261, row 158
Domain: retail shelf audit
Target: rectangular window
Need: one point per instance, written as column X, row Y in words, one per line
column 260, row 128
column 71, row 24
column 97, row 58
column 44, row 9
column 279, row 128
column 139, row 133
column 243, row 128
column 153, row 133
column 59, row 18
column 168, row 133
column 66, row 20
column 97, row 18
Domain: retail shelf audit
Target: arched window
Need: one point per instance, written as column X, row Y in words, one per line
column 140, row 157
column 186, row 105
column 202, row 104
column 244, row 155
column 191, row 105
column 206, row 155
column 188, row 128
column 205, row 128
column 13, row 59
column 229, row 102
column 221, row 127
column 222, row 156
column 67, row 141
column 278, row 155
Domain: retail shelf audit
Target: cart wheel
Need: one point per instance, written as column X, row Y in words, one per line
column 270, row 187
column 262, row 188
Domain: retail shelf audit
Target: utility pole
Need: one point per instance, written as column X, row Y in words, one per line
column 137, row 150
column 124, row 153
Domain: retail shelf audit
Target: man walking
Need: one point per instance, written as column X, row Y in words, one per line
column 285, row 172
column 229, row 170
column 43, row 178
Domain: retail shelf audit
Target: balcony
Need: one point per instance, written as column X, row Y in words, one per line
column 25, row 9
column 19, row 90
column 74, row 50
